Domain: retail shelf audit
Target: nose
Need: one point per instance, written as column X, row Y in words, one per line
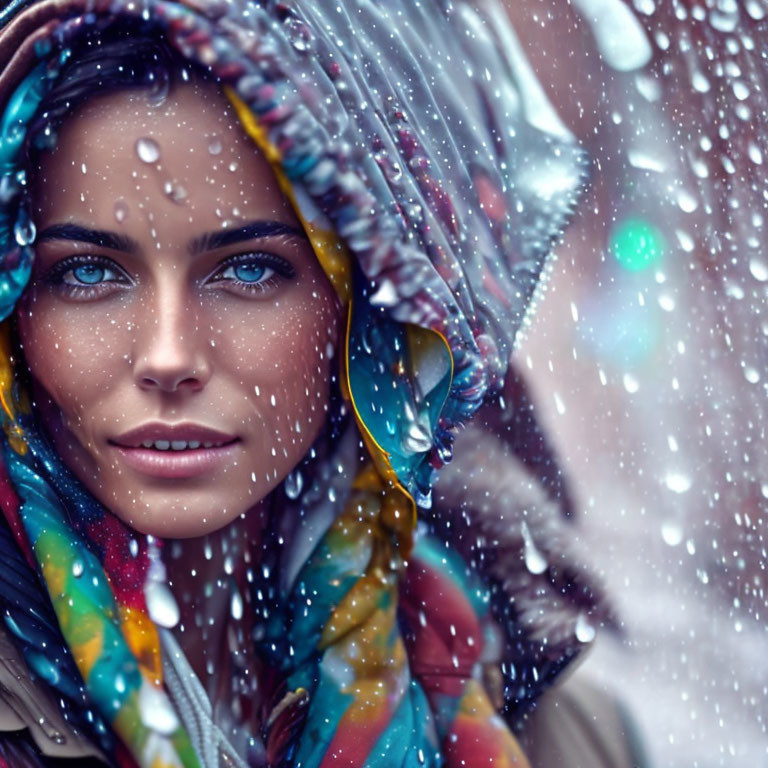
column 169, row 354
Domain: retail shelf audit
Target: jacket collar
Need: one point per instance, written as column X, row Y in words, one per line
column 27, row 703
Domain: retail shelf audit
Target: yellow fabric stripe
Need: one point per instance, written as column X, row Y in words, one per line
column 332, row 255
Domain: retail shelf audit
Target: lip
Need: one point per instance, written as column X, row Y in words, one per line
column 175, row 464
column 158, row 431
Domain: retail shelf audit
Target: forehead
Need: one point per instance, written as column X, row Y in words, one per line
column 122, row 159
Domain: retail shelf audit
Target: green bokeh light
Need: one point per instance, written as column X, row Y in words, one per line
column 637, row 244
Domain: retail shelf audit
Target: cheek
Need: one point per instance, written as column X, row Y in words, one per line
column 293, row 339
column 72, row 357
column 282, row 361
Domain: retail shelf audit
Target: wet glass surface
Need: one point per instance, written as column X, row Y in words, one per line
column 364, row 368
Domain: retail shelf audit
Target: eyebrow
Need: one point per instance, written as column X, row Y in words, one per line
column 112, row 240
column 250, row 231
column 207, row 242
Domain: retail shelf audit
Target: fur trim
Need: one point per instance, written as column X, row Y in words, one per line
column 503, row 519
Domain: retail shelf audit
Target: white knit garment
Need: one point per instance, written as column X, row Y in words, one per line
column 194, row 708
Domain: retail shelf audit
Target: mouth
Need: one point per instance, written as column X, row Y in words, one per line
column 175, row 451
column 180, row 445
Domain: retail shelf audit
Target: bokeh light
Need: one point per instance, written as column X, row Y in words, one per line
column 636, row 244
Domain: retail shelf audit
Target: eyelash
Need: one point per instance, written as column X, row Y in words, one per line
column 56, row 275
column 281, row 269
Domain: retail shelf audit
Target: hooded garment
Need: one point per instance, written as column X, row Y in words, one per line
column 432, row 177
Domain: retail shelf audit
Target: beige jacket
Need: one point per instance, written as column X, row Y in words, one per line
column 575, row 725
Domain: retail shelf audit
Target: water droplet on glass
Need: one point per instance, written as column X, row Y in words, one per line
column 9, row 188
column 24, row 231
column 685, row 240
column 148, row 150
column 648, row 87
column 631, row 384
column 584, row 631
column 666, row 302
column 175, row 191
column 293, row 484
column 297, row 33
column 677, row 482
column 672, row 533
column 121, row 210
column 77, row 568
column 662, row 40
column 46, row 669
column 700, row 168
column 725, row 16
column 755, row 10
column 156, row 711
column 759, row 269
column 236, row 605
column 386, row 295
column 700, row 82
column 215, row 146
column 620, row 37
column 740, row 90
column 645, row 161
column 535, row 561
column 162, row 606
column 686, row 201
column 417, row 438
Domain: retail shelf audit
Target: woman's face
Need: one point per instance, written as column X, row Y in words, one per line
column 178, row 327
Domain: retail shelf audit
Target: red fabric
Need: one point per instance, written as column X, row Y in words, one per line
column 11, row 504
column 445, row 639
column 127, row 573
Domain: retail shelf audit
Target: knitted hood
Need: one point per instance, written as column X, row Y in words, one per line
column 432, row 179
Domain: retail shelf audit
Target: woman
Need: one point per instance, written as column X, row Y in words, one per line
column 259, row 262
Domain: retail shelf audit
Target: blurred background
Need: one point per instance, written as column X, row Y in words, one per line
column 648, row 356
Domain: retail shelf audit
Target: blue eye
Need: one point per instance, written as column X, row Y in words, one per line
column 252, row 273
column 89, row 274
column 86, row 272
column 249, row 272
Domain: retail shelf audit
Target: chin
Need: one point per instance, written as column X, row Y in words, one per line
column 178, row 520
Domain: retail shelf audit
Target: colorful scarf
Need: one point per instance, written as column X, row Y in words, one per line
column 432, row 177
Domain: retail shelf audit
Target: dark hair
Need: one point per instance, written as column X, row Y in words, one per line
column 104, row 60
column 129, row 57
